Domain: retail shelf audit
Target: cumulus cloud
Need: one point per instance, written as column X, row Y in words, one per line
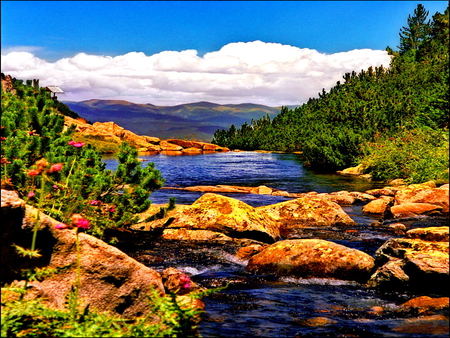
column 266, row 73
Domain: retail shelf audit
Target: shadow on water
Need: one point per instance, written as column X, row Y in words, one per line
column 269, row 306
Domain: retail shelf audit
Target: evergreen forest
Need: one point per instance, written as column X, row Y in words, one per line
column 392, row 121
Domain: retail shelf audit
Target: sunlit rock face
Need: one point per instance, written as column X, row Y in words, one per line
column 309, row 258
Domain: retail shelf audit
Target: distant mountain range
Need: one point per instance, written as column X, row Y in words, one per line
column 185, row 121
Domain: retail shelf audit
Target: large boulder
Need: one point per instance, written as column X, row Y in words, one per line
column 309, row 258
column 378, row 206
column 110, row 280
column 425, row 193
column 308, row 211
column 226, row 215
column 418, row 261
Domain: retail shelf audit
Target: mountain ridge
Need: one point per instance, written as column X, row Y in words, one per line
column 198, row 120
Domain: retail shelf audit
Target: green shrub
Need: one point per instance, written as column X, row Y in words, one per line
column 415, row 155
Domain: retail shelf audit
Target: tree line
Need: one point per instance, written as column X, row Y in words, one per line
column 342, row 127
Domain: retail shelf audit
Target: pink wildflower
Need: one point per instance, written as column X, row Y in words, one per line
column 60, row 226
column 71, row 143
column 31, row 194
column 55, row 167
column 76, row 144
column 111, row 209
column 80, row 222
column 95, row 202
column 185, row 282
column 3, row 138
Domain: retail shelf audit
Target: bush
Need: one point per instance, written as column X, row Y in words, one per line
column 415, row 155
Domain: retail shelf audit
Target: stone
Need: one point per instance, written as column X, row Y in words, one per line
column 248, row 251
column 378, row 206
column 425, row 304
column 381, row 192
column 425, row 193
column 309, row 258
column 341, row 198
column 411, row 210
column 422, row 257
column 226, row 215
column 194, row 235
column 307, row 211
column 167, row 146
column 110, row 280
column 431, row 234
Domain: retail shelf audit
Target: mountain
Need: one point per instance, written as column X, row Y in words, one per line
column 197, row 120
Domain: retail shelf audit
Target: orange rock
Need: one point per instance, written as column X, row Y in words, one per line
column 377, row 206
column 409, row 209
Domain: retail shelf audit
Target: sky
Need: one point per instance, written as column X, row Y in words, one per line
column 275, row 53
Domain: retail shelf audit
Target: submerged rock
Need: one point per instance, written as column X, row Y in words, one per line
column 312, row 258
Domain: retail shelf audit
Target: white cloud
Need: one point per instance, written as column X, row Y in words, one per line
column 267, row 73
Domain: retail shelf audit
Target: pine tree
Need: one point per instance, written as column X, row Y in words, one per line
column 417, row 31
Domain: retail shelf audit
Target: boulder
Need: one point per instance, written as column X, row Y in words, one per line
column 382, row 192
column 186, row 144
column 419, row 260
column 342, row 198
column 426, row 193
column 226, row 215
column 195, row 235
column 309, row 258
column 425, row 304
column 167, row 146
column 411, row 210
column 307, row 211
column 110, row 280
column 378, row 206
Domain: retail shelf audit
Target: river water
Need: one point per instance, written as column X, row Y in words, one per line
column 266, row 306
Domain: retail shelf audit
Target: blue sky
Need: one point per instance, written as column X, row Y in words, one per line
column 52, row 31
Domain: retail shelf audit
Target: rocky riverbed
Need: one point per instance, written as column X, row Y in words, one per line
column 306, row 237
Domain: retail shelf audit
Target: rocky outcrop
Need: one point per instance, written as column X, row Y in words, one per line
column 310, row 211
column 225, row 215
column 109, row 131
column 110, row 280
column 409, row 201
column 420, row 259
column 309, row 258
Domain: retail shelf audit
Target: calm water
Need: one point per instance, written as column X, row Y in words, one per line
column 262, row 306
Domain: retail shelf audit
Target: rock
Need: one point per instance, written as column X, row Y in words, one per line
column 381, row 192
column 194, row 235
column 227, row 215
column 177, row 282
column 312, row 258
column 166, row 146
column 378, row 206
column 248, row 251
column 352, row 171
column 411, row 210
column 425, row 193
column 186, row 144
column 425, row 304
column 341, row 198
column 308, row 211
column 110, row 280
column 432, row 234
column 415, row 261
column 192, row 151
column 362, row 197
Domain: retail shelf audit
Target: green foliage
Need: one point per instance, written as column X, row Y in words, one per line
column 168, row 317
column 414, row 155
column 331, row 131
column 32, row 130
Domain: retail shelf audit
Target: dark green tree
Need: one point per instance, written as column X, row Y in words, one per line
column 416, row 32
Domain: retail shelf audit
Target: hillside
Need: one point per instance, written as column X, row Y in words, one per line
column 186, row 121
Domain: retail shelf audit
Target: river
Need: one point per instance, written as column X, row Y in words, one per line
column 263, row 306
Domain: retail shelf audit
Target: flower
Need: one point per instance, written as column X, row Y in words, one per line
column 42, row 164
column 185, row 282
column 80, row 222
column 55, row 167
column 31, row 194
column 60, row 226
column 95, row 202
column 33, row 172
column 76, row 144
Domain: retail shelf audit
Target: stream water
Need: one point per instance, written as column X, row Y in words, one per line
column 267, row 306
